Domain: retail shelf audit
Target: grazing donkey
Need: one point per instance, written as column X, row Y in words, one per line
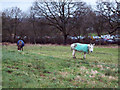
column 20, row 45
column 86, row 48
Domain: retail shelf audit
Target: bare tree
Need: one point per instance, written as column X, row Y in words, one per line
column 58, row 14
column 14, row 15
column 81, row 20
column 110, row 12
column 99, row 24
column 32, row 20
column 6, row 31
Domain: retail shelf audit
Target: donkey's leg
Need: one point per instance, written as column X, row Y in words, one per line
column 73, row 54
column 84, row 55
column 22, row 48
column 18, row 48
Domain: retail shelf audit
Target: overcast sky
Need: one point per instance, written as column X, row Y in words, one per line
column 24, row 5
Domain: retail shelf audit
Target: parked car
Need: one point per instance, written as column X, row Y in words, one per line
column 110, row 41
column 96, row 37
column 73, row 38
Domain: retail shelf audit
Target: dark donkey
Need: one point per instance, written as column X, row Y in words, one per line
column 20, row 45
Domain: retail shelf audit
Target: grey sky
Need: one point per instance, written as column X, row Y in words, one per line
column 24, row 5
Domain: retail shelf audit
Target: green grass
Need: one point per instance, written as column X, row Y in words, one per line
column 53, row 67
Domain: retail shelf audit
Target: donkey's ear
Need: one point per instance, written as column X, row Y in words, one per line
column 94, row 44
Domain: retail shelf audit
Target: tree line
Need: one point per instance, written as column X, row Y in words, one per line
column 53, row 22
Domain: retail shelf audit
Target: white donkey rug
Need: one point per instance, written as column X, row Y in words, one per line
column 86, row 48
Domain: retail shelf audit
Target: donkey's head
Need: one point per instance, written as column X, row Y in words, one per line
column 90, row 47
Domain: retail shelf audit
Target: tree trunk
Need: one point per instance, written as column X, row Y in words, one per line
column 34, row 39
column 65, row 39
column 99, row 39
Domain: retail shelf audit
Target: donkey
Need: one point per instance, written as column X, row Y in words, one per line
column 86, row 48
column 20, row 45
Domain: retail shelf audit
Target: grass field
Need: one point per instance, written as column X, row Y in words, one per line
column 52, row 66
